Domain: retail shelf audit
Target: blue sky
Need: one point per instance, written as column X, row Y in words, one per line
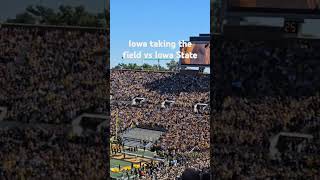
column 145, row 20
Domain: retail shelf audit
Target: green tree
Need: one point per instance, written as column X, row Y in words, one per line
column 172, row 65
column 64, row 15
column 147, row 66
column 128, row 66
column 24, row 18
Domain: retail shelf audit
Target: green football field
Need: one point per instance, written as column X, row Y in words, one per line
column 114, row 163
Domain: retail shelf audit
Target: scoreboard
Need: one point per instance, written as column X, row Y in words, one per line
column 294, row 12
column 200, row 47
column 284, row 6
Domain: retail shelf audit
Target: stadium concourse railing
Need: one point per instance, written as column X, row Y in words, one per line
column 50, row 27
column 156, row 71
column 145, row 70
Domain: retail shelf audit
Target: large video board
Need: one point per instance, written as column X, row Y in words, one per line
column 201, row 49
column 283, row 6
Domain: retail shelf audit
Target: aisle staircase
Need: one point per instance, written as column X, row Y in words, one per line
column 3, row 113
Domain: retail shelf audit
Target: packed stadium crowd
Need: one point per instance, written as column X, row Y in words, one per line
column 46, row 152
column 199, row 164
column 49, row 76
column 44, row 72
column 186, row 131
column 270, row 87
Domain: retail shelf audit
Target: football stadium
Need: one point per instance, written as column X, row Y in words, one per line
column 266, row 124
column 160, row 119
column 52, row 96
column 59, row 119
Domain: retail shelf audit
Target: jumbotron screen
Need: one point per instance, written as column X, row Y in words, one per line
column 306, row 5
column 202, row 50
